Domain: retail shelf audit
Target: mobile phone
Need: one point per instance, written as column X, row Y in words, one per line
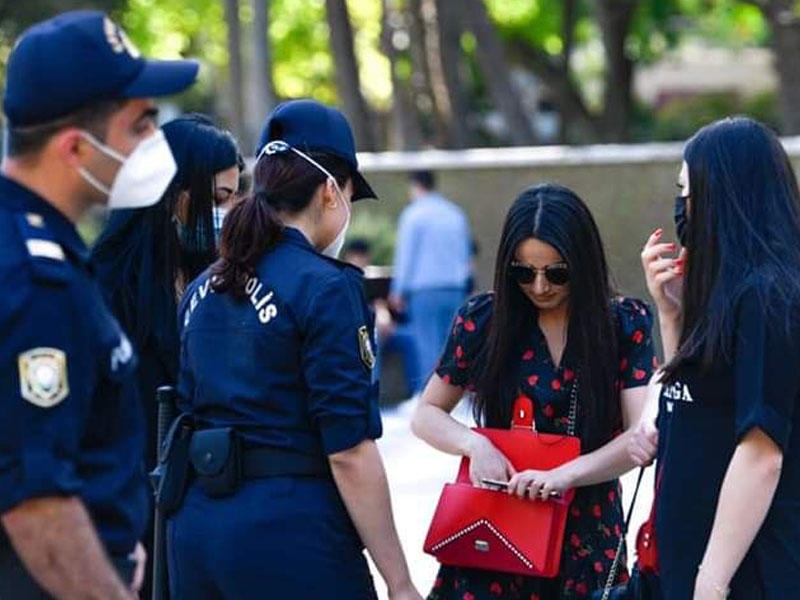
column 494, row 483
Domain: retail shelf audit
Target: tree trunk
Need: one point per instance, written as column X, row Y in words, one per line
column 406, row 134
column 569, row 14
column 425, row 99
column 443, row 47
column 615, row 17
column 262, row 91
column 786, row 46
column 498, row 79
column 236, row 77
column 347, row 79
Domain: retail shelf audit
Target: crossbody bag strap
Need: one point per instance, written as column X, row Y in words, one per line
column 612, row 574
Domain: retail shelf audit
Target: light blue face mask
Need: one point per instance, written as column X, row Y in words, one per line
column 219, row 212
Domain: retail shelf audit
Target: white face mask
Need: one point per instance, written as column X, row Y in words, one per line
column 335, row 247
column 143, row 177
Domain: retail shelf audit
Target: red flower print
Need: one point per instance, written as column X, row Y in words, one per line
column 575, row 511
column 612, row 495
column 446, row 379
column 496, row 588
column 637, row 336
column 536, row 597
column 459, row 352
column 548, row 411
column 581, row 589
column 623, row 364
column 438, row 583
column 597, row 511
column 556, row 385
column 574, row 540
column 459, row 320
column 638, row 374
column 467, row 596
column 533, row 380
column 610, row 553
column 617, row 530
column 569, row 375
column 469, row 325
column 528, row 355
column 583, row 553
column 598, row 567
column 624, row 577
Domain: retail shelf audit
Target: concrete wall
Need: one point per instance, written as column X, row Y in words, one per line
column 629, row 189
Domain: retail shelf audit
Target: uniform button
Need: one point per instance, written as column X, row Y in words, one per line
column 208, row 457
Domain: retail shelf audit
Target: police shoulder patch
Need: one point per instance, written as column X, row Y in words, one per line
column 43, row 376
column 365, row 347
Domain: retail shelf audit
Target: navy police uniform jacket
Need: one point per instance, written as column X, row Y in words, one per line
column 290, row 367
column 71, row 424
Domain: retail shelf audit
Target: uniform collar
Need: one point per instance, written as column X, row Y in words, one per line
column 21, row 199
column 296, row 237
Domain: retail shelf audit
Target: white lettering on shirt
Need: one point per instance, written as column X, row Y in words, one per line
column 678, row 391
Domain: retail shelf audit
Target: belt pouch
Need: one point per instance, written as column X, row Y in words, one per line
column 171, row 475
column 216, row 458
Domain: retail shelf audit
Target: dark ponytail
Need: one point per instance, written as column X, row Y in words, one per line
column 283, row 183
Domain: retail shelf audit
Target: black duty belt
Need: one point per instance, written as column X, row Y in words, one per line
column 272, row 462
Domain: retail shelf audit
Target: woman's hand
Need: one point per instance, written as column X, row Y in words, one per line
column 487, row 462
column 541, row 485
column 140, row 556
column 405, row 592
column 664, row 275
column 643, row 443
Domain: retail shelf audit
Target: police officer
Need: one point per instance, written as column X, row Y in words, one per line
column 276, row 365
column 80, row 132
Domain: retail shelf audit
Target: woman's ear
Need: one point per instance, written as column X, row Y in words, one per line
column 330, row 195
column 181, row 210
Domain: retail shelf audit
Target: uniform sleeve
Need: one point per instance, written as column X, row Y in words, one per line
column 337, row 364
column 766, row 373
column 637, row 355
column 465, row 341
column 43, row 402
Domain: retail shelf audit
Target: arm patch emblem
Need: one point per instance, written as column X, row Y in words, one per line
column 43, row 376
column 365, row 347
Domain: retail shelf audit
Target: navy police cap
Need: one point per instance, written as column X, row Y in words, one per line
column 313, row 127
column 65, row 63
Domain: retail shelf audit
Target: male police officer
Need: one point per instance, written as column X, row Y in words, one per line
column 80, row 132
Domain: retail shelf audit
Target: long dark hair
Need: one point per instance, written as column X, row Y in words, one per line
column 282, row 183
column 557, row 216
column 139, row 256
column 743, row 233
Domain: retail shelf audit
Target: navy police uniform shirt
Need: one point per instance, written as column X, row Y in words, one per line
column 71, row 424
column 290, row 366
column 703, row 416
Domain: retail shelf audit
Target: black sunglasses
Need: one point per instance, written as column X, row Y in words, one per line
column 557, row 274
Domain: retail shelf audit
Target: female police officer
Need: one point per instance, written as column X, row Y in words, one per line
column 276, row 364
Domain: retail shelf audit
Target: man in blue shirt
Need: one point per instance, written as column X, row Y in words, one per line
column 431, row 267
column 81, row 132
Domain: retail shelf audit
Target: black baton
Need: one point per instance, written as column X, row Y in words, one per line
column 165, row 397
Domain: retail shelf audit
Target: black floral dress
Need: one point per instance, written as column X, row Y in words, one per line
column 596, row 518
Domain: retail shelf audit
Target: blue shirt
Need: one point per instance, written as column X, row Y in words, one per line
column 71, row 423
column 703, row 416
column 433, row 246
column 290, row 366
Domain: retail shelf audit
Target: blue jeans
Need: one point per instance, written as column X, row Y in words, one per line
column 403, row 343
column 431, row 314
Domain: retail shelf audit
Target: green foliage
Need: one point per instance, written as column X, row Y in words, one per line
column 379, row 229
column 681, row 117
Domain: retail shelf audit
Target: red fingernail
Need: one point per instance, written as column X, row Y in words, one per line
column 658, row 232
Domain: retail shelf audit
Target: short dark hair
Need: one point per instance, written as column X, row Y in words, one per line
column 358, row 246
column 423, row 178
column 31, row 139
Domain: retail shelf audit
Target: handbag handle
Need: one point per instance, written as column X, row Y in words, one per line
column 523, row 417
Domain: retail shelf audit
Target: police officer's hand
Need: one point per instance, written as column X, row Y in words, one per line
column 140, row 556
column 664, row 274
column 487, row 462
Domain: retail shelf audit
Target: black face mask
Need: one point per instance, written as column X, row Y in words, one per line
column 681, row 220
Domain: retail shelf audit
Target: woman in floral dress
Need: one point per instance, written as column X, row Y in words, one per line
column 550, row 324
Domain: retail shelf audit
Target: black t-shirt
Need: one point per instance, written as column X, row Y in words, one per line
column 703, row 416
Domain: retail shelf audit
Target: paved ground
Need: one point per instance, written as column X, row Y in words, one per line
column 416, row 475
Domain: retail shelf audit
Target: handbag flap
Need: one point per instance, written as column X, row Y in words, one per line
column 528, row 529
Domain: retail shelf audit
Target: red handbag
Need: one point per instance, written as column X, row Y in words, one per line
column 646, row 552
column 487, row 529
